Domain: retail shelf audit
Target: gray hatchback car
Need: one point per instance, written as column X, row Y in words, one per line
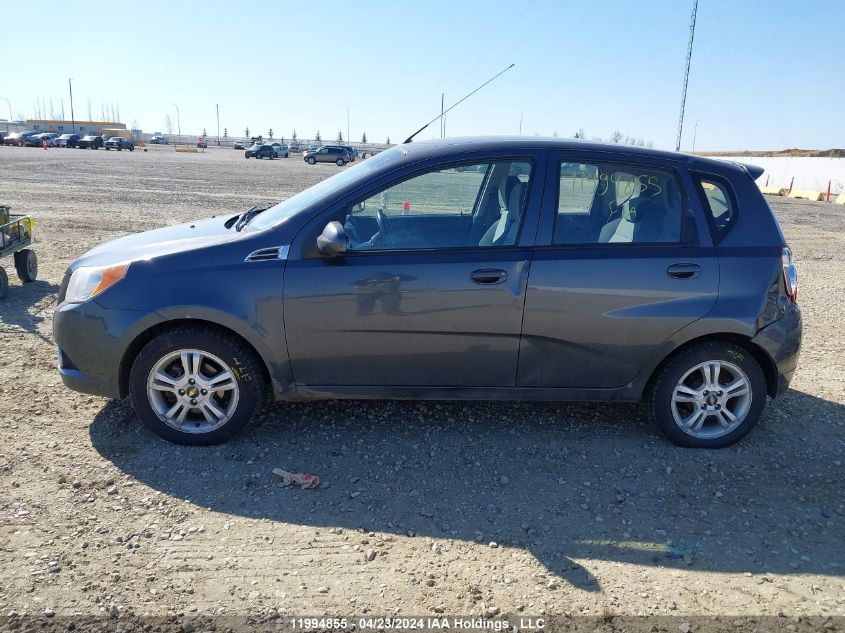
column 491, row 268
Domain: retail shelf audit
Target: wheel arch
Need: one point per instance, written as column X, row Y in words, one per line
column 134, row 348
column 766, row 363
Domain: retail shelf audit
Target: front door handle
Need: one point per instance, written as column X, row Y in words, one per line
column 488, row 276
column 684, row 271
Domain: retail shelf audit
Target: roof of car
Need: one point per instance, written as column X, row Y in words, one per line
column 445, row 147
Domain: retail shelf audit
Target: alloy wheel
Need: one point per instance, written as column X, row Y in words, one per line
column 711, row 399
column 192, row 391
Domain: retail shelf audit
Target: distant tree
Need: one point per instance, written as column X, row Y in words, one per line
column 246, row 132
column 168, row 124
column 225, row 132
column 616, row 137
column 318, row 138
column 580, row 133
column 339, row 136
column 364, row 137
column 554, row 134
column 282, row 140
column 203, row 133
column 293, row 136
column 270, row 134
column 388, row 140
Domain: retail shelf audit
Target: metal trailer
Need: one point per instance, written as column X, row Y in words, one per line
column 16, row 236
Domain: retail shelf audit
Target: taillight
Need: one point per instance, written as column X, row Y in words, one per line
column 790, row 275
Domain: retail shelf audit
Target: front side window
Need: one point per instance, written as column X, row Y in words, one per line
column 617, row 203
column 463, row 206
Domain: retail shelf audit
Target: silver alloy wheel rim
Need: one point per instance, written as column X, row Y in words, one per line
column 192, row 391
column 711, row 399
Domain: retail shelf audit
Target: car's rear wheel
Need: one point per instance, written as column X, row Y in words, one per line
column 340, row 162
column 195, row 385
column 709, row 395
column 311, row 160
column 26, row 265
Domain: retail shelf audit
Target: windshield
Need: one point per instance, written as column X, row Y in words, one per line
column 297, row 203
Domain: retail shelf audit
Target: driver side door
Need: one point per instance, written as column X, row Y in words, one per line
column 415, row 301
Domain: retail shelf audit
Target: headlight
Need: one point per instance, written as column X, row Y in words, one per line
column 87, row 282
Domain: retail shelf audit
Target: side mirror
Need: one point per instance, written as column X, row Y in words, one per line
column 333, row 240
column 361, row 205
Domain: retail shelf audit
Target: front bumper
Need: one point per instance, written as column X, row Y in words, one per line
column 781, row 340
column 92, row 342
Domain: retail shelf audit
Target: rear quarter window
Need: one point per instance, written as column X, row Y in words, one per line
column 719, row 203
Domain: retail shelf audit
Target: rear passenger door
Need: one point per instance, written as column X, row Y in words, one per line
column 623, row 260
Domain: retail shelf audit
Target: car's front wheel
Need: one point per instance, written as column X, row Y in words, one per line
column 311, row 160
column 195, row 385
column 709, row 395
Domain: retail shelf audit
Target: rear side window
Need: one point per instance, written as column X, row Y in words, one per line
column 618, row 203
column 720, row 203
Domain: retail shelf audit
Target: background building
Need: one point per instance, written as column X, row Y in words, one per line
column 72, row 127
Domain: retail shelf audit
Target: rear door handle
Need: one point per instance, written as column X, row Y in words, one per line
column 488, row 276
column 684, row 271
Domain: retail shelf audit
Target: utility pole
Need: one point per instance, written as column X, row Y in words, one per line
column 686, row 74
column 520, row 123
column 348, row 138
column 178, row 123
column 61, row 99
column 217, row 107
column 72, row 119
column 10, row 111
column 694, row 134
column 442, row 124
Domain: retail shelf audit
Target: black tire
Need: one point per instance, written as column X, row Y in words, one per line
column 311, row 160
column 4, row 283
column 340, row 162
column 659, row 402
column 26, row 265
column 232, row 351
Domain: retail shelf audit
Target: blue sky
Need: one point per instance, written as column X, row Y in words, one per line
column 766, row 74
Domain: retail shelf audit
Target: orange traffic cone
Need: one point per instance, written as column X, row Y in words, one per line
column 44, row 143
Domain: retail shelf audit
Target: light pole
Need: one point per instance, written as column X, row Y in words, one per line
column 72, row 119
column 10, row 111
column 520, row 123
column 178, row 122
column 348, row 139
column 217, row 107
column 63, row 107
column 694, row 133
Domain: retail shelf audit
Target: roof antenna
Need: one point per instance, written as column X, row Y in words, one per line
column 440, row 116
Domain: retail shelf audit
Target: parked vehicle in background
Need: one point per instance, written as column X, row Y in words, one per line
column 281, row 150
column 328, row 154
column 256, row 139
column 238, row 145
column 353, row 153
column 67, row 140
column 655, row 276
column 36, row 140
column 294, row 148
column 260, row 151
column 90, row 142
column 3, row 135
column 159, row 140
column 119, row 143
column 17, row 138
column 202, row 143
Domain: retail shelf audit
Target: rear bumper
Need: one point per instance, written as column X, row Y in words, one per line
column 781, row 340
column 92, row 342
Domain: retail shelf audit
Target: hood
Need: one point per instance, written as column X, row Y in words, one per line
column 166, row 241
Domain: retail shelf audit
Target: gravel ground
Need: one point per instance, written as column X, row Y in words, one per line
column 424, row 508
